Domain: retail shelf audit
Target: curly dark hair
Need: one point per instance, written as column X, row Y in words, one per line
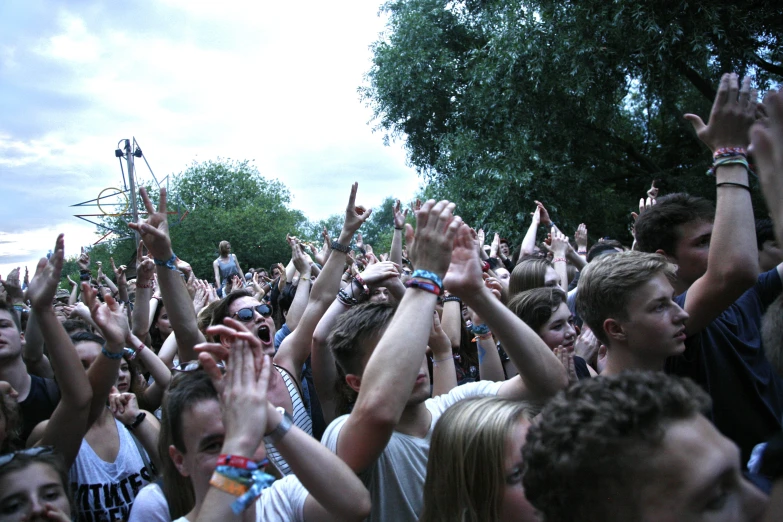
column 657, row 227
column 593, row 440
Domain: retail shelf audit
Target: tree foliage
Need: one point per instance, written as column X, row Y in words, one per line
column 577, row 104
column 225, row 200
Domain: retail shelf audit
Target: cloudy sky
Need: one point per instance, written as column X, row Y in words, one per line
column 271, row 82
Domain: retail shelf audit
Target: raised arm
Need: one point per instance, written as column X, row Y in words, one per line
column 303, row 266
column 396, row 361
column 529, row 241
column 767, row 144
column 155, row 233
column 34, row 359
column 559, row 248
column 395, row 255
column 732, row 265
column 540, row 373
column 145, row 273
column 444, row 373
column 68, row 422
column 296, row 347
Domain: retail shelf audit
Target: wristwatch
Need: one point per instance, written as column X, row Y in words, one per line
column 274, row 436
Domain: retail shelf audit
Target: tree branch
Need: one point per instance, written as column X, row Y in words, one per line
column 767, row 66
column 701, row 84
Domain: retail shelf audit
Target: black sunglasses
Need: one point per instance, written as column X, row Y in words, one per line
column 31, row 452
column 246, row 314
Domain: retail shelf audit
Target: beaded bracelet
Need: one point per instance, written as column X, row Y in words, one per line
column 140, row 285
column 555, row 260
column 346, row 299
column 424, row 274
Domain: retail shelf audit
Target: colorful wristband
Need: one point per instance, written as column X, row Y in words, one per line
column 230, row 486
column 424, row 274
column 423, row 284
column 111, row 355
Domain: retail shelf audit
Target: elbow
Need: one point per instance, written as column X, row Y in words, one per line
column 361, row 506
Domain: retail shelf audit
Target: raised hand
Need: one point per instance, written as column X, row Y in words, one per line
column 377, row 273
column 767, row 147
column 559, row 244
column 580, row 236
column 464, row 275
column 301, row 260
column 231, row 334
column 430, row 246
column 480, row 237
column 359, row 241
column 43, row 287
column 495, row 246
column 355, row 214
column 200, row 298
column 587, row 346
column 84, row 261
column 652, row 192
column 71, row 281
column 731, row 117
column 543, row 214
column 109, row 316
column 155, row 229
column 243, row 395
column 567, row 359
column 124, row 407
column 12, row 286
column 399, row 216
column 145, row 267
column 494, row 285
column 119, row 273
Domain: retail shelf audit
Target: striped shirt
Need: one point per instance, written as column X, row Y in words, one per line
column 301, row 420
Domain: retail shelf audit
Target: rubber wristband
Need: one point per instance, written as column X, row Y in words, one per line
column 139, row 419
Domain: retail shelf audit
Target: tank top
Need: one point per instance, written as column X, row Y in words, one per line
column 105, row 490
column 227, row 269
column 301, row 420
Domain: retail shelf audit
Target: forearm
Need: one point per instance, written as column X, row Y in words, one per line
column 733, row 252
column 395, row 255
column 148, row 433
column 290, row 270
column 299, row 303
column 577, row 260
column 72, row 297
column 323, row 365
column 108, row 282
column 33, row 354
column 169, row 350
column 157, row 368
column 122, row 292
column 102, row 376
column 490, row 366
column 561, row 267
column 68, row 369
column 541, row 371
column 444, row 373
column 179, row 307
column 529, row 241
column 451, row 322
column 394, row 364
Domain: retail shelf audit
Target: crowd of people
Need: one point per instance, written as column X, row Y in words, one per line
column 445, row 380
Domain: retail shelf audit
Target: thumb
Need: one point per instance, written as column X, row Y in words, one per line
column 696, row 122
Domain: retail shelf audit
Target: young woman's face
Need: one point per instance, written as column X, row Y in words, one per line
column 163, row 324
column 559, row 330
column 515, row 506
column 124, row 377
column 32, row 493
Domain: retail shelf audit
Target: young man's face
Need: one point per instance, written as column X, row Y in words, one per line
column 10, row 337
column 692, row 252
column 263, row 327
column 655, row 324
column 504, row 249
column 695, row 476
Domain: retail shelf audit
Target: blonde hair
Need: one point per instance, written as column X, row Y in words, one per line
column 607, row 284
column 224, row 247
column 466, row 475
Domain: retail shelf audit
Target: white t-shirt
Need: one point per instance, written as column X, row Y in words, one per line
column 283, row 501
column 396, row 480
column 150, row 505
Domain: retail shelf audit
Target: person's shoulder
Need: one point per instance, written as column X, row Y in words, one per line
column 332, row 432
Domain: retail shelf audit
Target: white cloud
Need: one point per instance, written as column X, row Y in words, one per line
column 192, row 80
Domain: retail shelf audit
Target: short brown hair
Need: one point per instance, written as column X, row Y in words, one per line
column 658, row 227
column 606, row 286
column 349, row 341
column 220, row 311
column 529, row 273
column 536, row 306
column 594, row 439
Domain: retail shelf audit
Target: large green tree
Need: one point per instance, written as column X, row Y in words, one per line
column 578, row 104
column 219, row 200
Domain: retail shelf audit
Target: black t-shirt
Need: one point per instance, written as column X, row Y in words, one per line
column 39, row 404
column 727, row 360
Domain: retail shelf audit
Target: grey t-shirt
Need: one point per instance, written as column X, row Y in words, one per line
column 396, row 480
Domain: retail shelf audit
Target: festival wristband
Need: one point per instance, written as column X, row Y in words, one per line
column 230, row 486
column 110, row 355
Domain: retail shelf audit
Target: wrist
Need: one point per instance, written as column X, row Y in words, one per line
column 345, row 237
column 239, row 446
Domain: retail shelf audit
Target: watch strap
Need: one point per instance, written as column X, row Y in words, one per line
column 281, row 429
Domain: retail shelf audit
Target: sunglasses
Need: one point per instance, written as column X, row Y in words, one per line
column 30, row 452
column 246, row 314
column 193, row 366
